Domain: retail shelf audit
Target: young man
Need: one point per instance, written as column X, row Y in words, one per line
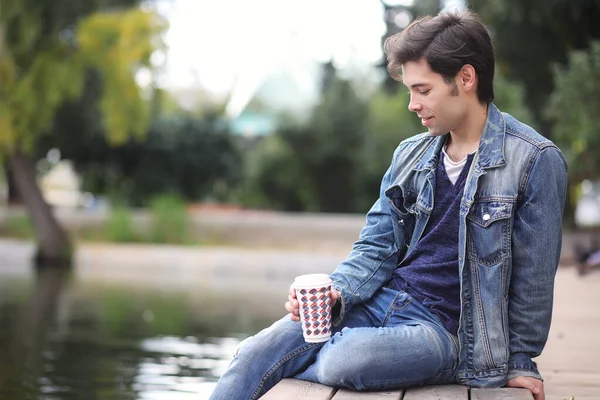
column 452, row 277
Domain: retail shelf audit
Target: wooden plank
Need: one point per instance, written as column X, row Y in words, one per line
column 437, row 392
column 501, row 394
column 344, row 394
column 295, row 389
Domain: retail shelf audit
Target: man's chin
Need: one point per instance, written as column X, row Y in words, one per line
column 433, row 132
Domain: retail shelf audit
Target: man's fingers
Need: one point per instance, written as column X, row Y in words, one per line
column 534, row 385
column 335, row 295
column 292, row 305
column 294, row 313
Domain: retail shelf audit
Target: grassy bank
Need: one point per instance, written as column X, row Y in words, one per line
column 168, row 223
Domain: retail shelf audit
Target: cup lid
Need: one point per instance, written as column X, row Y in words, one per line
column 312, row 280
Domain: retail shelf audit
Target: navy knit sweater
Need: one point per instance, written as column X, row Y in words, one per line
column 430, row 272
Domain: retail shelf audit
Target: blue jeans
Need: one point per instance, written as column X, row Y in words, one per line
column 391, row 341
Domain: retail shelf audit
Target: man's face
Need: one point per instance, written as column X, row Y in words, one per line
column 439, row 104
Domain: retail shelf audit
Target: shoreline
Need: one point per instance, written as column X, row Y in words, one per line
column 253, row 230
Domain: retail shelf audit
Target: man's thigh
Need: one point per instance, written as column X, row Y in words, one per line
column 403, row 346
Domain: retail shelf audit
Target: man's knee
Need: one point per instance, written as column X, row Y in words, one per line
column 340, row 365
column 340, row 373
column 269, row 340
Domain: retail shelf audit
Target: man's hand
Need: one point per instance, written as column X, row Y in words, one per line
column 534, row 385
column 293, row 306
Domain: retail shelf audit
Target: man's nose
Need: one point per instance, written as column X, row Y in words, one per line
column 413, row 105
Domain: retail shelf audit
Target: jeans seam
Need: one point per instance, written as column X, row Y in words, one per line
column 393, row 308
column 449, row 336
column 279, row 364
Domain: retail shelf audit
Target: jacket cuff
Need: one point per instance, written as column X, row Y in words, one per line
column 339, row 310
column 520, row 364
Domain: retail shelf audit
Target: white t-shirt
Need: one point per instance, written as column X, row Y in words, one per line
column 453, row 169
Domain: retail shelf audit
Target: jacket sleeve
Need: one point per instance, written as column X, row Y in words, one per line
column 372, row 260
column 537, row 236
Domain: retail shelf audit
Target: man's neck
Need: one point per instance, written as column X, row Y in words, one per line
column 465, row 140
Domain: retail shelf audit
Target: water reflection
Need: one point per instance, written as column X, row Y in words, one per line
column 25, row 330
column 73, row 336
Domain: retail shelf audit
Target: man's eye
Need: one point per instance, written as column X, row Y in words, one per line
column 425, row 92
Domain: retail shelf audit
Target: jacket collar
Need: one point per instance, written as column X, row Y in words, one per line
column 491, row 144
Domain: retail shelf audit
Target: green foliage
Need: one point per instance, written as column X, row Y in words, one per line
column 120, row 227
column 510, row 98
column 530, row 35
column 337, row 137
column 313, row 166
column 275, row 177
column 44, row 59
column 573, row 108
column 340, row 121
column 196, row 158
column 28, row 99
column 117, row 44
column 18, row 226
column 389, row 122
column 170, row 222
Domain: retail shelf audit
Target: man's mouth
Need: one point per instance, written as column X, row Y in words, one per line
column 425, row 120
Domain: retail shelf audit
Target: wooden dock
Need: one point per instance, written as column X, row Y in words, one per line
column 293, row 389
column 570, row 362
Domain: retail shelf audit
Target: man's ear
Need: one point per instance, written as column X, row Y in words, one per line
column 467, row 78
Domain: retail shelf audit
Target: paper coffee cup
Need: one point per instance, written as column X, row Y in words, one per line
column 313, row 292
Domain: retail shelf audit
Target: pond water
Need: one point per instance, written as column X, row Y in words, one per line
column 124, row 334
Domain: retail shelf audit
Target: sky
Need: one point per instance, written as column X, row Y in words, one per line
column 218, row 45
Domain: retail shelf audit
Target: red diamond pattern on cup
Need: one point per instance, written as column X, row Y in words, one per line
column 314, row 304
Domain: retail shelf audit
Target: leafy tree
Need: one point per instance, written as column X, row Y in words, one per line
column 531, row 35
column 389, row 122
column 573, row 108
column 338, row 123
column 275, row 177
column 46, row 49
column 510, row 98
column 195, row 158
column 314, row 165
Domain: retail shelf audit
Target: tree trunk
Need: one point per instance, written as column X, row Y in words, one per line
column 12, row 194
column 54, row 247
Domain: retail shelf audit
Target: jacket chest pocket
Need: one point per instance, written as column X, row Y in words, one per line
column 489, row 232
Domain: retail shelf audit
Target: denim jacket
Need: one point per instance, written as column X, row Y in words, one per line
column 510, row 234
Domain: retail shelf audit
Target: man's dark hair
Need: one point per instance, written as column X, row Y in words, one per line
column 447, row 42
